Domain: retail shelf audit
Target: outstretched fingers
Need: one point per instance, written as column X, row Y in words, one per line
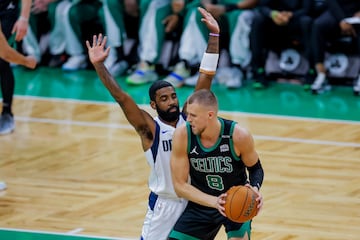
column 101, row 40
column 94, row 41
column 97, row 41
column 209, row 20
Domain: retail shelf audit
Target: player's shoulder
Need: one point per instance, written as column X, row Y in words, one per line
column 181, row 128
column 241, row 132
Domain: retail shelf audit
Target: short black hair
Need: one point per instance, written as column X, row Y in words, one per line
column 156, row 86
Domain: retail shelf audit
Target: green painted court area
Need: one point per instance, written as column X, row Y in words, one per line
column 286, row 99
column 13, row 234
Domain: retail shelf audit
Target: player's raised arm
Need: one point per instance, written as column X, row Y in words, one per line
column 210, row 59
column 139, row 119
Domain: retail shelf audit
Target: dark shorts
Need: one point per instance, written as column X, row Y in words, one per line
column 8, row 17
column 198, row 222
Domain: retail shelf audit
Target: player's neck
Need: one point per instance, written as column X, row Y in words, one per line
column 172, row 123
column 211, row 134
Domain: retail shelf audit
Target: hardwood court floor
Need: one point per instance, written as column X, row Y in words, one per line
column 77, row 167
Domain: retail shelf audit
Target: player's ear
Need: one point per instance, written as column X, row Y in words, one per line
column 153, row 104
column 211, row 114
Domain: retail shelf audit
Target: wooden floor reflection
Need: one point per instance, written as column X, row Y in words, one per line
column 73, row 165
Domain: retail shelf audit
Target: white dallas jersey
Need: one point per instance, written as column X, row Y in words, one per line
column 158, row 157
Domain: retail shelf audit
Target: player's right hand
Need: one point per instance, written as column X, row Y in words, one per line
column 97, row 52
column 209, row 21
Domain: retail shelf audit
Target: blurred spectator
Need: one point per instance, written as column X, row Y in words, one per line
column 231, row 15
column 275, row 25
column 116, row 16
column 39, row 26
column 192, row 44
column 57, row 12
column 82, row 13
column 157, row 18
column 234, row 16
column 329, row 26
column 317, row 8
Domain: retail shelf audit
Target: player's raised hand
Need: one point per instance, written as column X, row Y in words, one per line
column 209, row 21
column 97, row 52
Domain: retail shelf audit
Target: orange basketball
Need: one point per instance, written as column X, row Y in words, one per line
column 241, row 204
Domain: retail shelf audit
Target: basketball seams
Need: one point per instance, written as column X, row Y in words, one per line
column 234, row 202
column 244, row 203
column 241, row 204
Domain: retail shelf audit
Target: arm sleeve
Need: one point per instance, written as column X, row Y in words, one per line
column 256, row 174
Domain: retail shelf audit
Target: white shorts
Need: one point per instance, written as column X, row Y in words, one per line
column 161, row 217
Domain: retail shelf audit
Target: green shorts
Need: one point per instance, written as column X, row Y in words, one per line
column 202, row 223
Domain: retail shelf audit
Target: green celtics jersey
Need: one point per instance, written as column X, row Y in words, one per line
column 214, row 170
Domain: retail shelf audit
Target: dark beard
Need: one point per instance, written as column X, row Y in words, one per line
column 167, row 115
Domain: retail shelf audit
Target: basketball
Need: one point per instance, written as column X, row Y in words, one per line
column 241, row 204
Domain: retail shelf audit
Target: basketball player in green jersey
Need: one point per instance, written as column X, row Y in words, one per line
column 215, row 154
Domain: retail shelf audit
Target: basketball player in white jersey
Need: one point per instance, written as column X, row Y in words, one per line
column 164, row 206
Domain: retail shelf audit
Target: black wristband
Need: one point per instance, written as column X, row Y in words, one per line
column 231, row 7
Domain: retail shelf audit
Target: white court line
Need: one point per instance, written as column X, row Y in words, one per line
column 75, row 231
column 128, row 126
column 146, row 106
column 63, row 234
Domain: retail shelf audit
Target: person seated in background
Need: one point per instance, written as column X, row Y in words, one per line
column 329, row 26
column 273, row 24
column 317, row 8
column 235, row 16
column 157, row 19
column 231, row 16
column 56, row 14
column 116, row 16
column 35, row 43
column 191, row 45
column 79, row 13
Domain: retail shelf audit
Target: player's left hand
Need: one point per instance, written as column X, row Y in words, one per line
column 97, row 52
column 20, row 28
column 220, row 204
column 259, row 198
